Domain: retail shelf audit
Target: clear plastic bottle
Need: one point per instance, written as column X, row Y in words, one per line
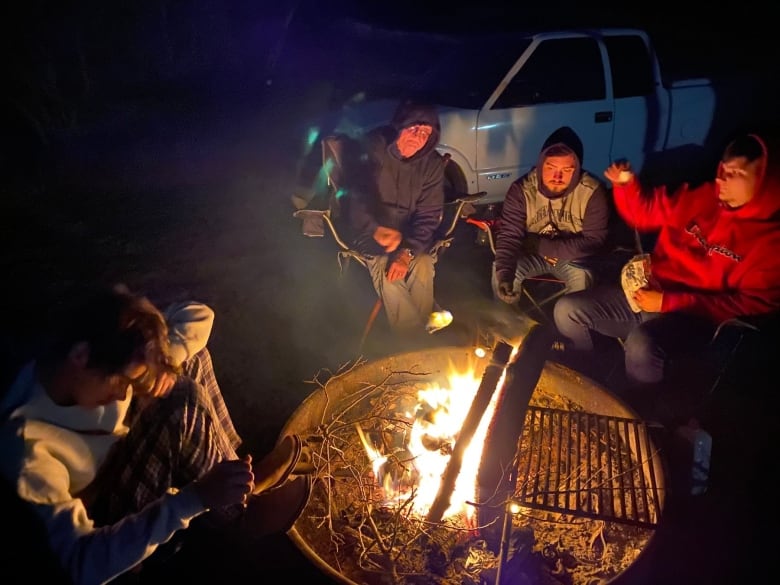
column 700, row 442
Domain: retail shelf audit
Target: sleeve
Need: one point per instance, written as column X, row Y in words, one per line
column 89, row 555
column 359, row 186
column 93, row 555
column 361, row 220
column 588, row 242
column 509, row 239
column 758, row 292
column 645, row 211
column 189, row 327
column 429, row 208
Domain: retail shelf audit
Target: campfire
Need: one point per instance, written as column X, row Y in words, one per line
column 415, row 481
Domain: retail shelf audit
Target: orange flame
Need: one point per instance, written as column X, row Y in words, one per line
column 437, row 421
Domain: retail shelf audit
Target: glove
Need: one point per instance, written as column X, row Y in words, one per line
column 506, row 293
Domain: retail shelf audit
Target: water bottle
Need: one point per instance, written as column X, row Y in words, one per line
column 700, row 443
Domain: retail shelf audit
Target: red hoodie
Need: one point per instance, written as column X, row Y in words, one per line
column 709, row 259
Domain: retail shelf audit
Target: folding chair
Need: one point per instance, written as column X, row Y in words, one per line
column 341, row 159
column 731, row 333
column 489, row 226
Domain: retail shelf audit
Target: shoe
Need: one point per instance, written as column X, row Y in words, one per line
column 438, row 320
column 289, row 458
column 276, row 510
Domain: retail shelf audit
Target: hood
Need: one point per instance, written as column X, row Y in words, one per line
column 766, row 202
column 409, row 113
column 563, row 137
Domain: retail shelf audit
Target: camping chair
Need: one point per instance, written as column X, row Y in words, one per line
column 340, row 160
column 727, row 339
column 489, row 226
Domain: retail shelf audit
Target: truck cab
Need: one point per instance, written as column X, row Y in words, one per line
column 605, row 87
column 501, row 96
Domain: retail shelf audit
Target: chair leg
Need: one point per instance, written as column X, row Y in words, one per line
column 537, row 305
column 370, row 323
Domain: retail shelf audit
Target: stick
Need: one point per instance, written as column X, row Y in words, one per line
column 487, row 387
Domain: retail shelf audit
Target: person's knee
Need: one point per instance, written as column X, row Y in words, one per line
column 579, row 281
column 567, row 310
column 644, row 359
column 423, row 266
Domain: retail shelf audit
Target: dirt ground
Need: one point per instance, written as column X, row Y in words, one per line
column 194, row 202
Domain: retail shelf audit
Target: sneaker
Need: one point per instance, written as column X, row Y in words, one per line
column 276, row 511
column 438, row 320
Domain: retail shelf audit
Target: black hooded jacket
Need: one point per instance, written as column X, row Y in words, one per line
column 404, row 194
column 579, row 216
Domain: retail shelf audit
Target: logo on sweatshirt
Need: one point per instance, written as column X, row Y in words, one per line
column 711, row 249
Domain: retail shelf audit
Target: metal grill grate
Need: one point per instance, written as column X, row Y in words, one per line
column 588, row 465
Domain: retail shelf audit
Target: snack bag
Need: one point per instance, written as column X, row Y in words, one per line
column 635, row 275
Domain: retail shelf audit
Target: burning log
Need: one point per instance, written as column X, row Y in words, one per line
column 495, row 484
column 490, row 378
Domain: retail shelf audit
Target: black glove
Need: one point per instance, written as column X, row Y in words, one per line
column 506, row 293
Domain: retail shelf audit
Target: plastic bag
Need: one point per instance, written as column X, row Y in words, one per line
column 635, row 275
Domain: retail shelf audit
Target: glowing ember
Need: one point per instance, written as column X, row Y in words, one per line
column 437, row 420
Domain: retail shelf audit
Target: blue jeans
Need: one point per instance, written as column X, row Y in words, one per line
column 574, row 275
column 650, row 340
column 409, row 301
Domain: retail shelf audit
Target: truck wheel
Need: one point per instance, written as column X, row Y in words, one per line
column 454, row 182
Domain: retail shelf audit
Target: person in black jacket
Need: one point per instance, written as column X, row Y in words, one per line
column 394, row 215
column 553, row 218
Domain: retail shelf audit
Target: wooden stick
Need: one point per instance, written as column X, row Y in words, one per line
column 487, row 387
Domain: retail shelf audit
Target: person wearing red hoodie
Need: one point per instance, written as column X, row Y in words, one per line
column 716, row 257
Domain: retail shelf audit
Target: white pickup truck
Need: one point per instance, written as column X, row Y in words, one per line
column 605, row 84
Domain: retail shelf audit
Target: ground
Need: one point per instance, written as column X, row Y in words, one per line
column 195, row 203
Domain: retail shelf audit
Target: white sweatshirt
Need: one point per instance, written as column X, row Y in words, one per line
column 51, row 452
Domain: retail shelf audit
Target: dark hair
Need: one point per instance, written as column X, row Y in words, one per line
column 746, row 145
column 118, row 325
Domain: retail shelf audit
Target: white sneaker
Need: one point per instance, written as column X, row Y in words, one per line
column 438, row 320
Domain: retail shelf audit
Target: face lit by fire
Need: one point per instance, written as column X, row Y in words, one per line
column 737, row 180
column 412, row 139
column 557, row 172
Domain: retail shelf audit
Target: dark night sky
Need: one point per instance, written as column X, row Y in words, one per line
column 58, row 57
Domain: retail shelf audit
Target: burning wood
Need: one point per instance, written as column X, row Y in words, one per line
column 383, row 437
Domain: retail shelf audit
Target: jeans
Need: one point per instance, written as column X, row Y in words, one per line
column 650, row 340
column 574, row 275
column 409, row 301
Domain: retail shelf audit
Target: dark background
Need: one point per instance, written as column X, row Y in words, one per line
column 157, row 143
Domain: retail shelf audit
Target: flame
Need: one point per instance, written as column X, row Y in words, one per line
column 437, row 420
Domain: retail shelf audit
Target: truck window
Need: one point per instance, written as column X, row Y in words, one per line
column 631, row 66
column 559, row 70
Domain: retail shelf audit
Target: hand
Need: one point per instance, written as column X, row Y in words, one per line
column 551, row 261
column 619, row 173
column 399, row 267
column 388, row 238
column 227, row 483
column 506, row 293
column 162, row 384
column 649, row 300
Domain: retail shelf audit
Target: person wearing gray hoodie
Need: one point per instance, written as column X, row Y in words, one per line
column 553, row 217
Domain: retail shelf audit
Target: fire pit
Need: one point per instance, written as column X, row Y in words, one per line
column 587, row 482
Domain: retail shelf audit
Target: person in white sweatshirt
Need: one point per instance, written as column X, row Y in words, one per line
column 117, row 436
